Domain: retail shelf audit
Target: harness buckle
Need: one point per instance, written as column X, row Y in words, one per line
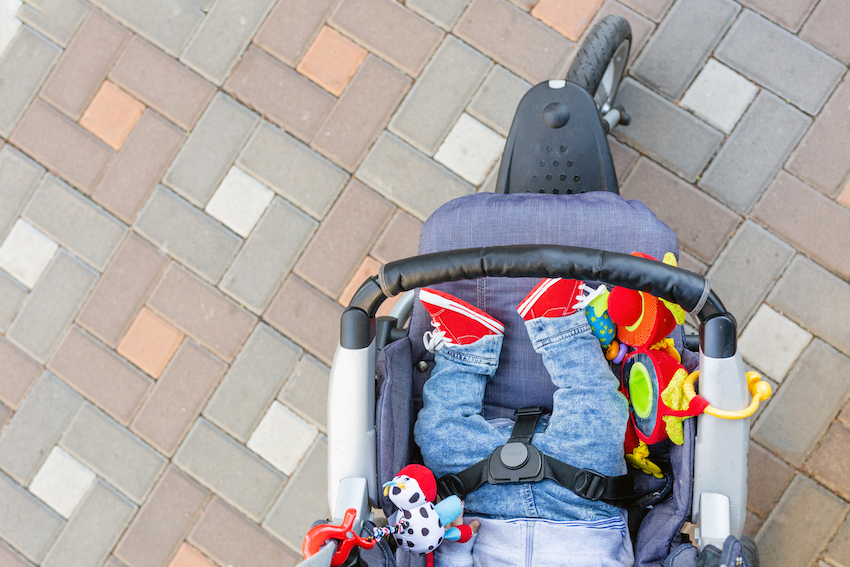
column 589, row 484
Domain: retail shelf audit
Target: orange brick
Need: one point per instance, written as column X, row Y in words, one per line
column 331, row 61
column 150, row 342
column 367, row 269
column 844, row 196
column 112, row 115
column 569, row 17
column 188, row 556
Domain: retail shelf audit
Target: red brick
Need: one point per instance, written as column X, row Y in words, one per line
column 399, row 240
column 331, row 61
column 831, row 460
column 827, row 28
column 10, row 558
column 17, row 373
column 188, row 556
column 291, row 26
column 5, row 414
column 111, row 115
column 150, row 342
column 767, row 479
column 569, row 18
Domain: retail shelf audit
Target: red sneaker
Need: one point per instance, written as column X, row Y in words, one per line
column 552, row 297
column 455, row 321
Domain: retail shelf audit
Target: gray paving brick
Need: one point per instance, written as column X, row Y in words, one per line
column 685, row 144
column 496, row 101
column 754, row 256
column 167, row 23
column 11, row 558
column 787, row 13
column 57, row 19
column 291, row 27
column 780, row 61
column 407, row 177
column 12, row 294
column 306, row 492
column 444, row 13
column 839, row 548
column 17, row 374
column 27, row 524
column 74, row 221
column 306, row 390
column 268, row 255
column 228, row 468
column 52, row 305
column 18, row 178
column 800, row 414
column 293, row 170
column 652, row 9
column 223, row 36
column 679, row 48
column 188, row 234
column 93, row 529
column 113, row 452
column 754, row 152
column 252, row 382
column 36, row 426
column 23, row 67
column 440, row 94
column 210, row 150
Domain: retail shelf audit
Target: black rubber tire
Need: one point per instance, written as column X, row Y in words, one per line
column 596, row 53
column 751, row 552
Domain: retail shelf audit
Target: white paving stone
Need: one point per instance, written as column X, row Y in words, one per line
column 772, row 342
column 26, row 252
column 470, row 149
column 62, row 482
column 282, row 438
column 719, row 95
column 9, row 22
column 239, row 201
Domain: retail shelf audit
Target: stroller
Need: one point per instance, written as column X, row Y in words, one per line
column 556, row 213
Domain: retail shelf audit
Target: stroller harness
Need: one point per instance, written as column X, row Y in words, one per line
column 520, row 462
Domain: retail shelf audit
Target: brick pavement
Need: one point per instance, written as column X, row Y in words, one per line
column 192, row 189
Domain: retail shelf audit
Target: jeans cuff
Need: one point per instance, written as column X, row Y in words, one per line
column 545, row 331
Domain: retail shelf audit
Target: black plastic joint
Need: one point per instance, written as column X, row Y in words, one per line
column 718, row 336
column 355, row 329
column 589, row 484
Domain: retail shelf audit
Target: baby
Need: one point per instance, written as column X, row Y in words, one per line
column 542, row 523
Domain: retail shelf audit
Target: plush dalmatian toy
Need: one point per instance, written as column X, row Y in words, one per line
column 413, row 491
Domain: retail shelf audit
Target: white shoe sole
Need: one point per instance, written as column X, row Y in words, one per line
column 426, row 296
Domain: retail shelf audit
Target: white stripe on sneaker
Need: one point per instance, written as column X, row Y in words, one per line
column 529, row 302
column 440, row 301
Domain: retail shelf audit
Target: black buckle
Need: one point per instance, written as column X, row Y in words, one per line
column 450, row 485
column 535, row 410
column 589, row 484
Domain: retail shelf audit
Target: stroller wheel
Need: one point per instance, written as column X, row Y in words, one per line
column 601, row 62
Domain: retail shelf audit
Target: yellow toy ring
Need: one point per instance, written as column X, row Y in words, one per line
column 759, row 389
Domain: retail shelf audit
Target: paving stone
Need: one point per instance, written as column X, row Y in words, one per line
column 703, row 231
column 223, row 36
column 441, row 93
column 62, row 482
column 17, row 373
column 823, row 157
column 740, row 262
column 652, row 9
column 496, row 101
column 27, row 524
column 344, row 238
column 178, row 397
column 826, row 29
column 188, row 556
column 291, row 26
column 409, row 178
column 772, row 343
column 229, row 469
column 754, row 152
column 213, row 145
column 239, row 202
column 844, row 416
column 752, row 524
column 258, row 81
column 513, row 38
column 331, row 60
column 122, row 289
column 369, row 267
column 569, row 19
column 799, row 414
column 150, row 342
column 163, row 520
column 111, row 115
column 230, row 539
column 400, row 239
column 74, row 222
column 268, row 255
column 24, row 65
column 202, row 312
column 92, row 532
column 685, row 144
column 82, row 68
column 839, row 549
column 11, row 24
column 26, row 253
column 113, row 452
column 99, row 374
column 188, row 234
column 814, row 224
column 828, row 464
column 169, row 24
column 470, row 149
column 306, row 316
column 162, row 83
column 624, row 158
column 35, row 427
column 767, row 479
column 5, row 416
column 51, row 306
column 787, row 13
column 642, row 28
column 252, row 382
column 780, row 61
column 306, row 390
column 18, row 178
column 678, row 49
column 306, row 492
column 444, row 13
column 282, row 438
column 361, row 113
column 11, row 558
column 112, row 562
column 719, row 96
column 801, row 525
column 134, row 172
column 63, row 146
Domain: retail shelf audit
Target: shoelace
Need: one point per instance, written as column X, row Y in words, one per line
column 585, row 297
column 436, row 339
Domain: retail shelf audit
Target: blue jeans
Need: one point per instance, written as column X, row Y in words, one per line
column 586, row 428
